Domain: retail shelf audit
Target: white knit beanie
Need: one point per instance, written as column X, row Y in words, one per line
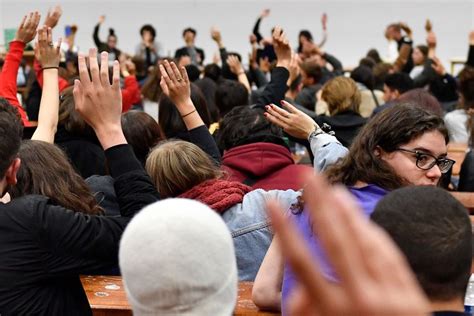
column 177, row 258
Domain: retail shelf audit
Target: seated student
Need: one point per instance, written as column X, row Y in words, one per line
column 395, row 85
column 311, row 75
column 423, row 73
column 181, row 169
column 255, row 152
column 459, row 122
column 111, row 45
column 361, row 252
column 8, row 85
column 370, row 97
column 195, row 54
column 434, row 232
column 45, row 247
column 77, row 139
column 387, row 154
column 343, row 99
column 177, row 258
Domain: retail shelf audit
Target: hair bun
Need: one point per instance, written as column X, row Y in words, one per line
column 111, row 32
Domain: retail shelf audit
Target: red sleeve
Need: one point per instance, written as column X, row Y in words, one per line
column 8, row 88
column 63, row 84
column 130, row 93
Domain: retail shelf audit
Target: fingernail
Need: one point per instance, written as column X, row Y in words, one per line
column 267, row 107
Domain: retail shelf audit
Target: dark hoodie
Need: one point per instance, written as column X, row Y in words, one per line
column 264, row 166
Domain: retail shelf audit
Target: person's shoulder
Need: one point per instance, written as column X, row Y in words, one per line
column 22, row 208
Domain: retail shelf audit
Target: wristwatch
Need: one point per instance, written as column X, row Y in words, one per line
column 325, row 129
column 317, row 131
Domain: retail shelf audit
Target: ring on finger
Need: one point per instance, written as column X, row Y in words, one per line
column 179, row 79
column 51, row 44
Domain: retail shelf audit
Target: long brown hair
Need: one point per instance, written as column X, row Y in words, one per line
column 466, row 89
column 388, row 130
column 45, row 170
column 176, row 166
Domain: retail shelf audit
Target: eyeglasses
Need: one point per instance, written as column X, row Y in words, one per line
column 426, row 161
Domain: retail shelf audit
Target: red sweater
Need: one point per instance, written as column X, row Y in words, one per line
column 8, row 88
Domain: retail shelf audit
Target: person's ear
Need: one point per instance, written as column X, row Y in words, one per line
column 396, row 94
column 10, row 174
column 377, row 152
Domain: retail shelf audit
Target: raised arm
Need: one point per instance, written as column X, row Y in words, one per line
column 95, row 35
column 276, row 89
column 324, row 21
column 26, row 33
column 237, row 69
column 256, row 28
column 175, row 85
column 326, row 149
column 470, row 55
column 48, row 56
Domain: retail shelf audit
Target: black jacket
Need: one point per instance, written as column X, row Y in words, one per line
column 44, row 247
column 466, row 175
column 346, row 125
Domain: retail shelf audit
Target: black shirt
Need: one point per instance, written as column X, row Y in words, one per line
column 44, row 247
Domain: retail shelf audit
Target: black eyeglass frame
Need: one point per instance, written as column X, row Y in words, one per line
column 437, row 161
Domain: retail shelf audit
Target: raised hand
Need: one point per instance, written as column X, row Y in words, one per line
column 324, row 21
column 54, row 14
column 97, row 100
column 293, row 121
column 27, row 30
column 46, row 52
column 101, row 19
column 471, row 38
column 175, row 84
column 265, row 13
column 438, row 66
column 293, row 68
column 235, row 65
column 216, row 35
column 282, row 47
column 360, row 252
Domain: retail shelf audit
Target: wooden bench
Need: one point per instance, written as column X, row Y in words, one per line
column 466, row 198
column 457, row 152
column 107, row 297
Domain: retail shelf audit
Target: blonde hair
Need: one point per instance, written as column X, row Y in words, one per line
column 176, row 166
column 341, row 94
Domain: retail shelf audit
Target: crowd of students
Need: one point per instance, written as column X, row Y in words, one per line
column 207, row 150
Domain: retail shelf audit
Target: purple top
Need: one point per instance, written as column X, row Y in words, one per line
column 367, row 197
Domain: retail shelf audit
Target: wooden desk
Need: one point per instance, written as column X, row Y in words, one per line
column 245, row 305
column 107, row 297
column 466, row 198
column 457, row 152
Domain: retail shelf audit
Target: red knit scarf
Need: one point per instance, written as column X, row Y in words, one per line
column 218, row 194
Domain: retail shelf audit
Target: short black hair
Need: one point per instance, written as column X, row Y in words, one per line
column 212, row 71
column 189, row 29
column 246, row 125
column 399, row 81
column 230, row 94
column 363, row 74
column 11, row 133
column 193, row 72
column 434, row 232
column 149, row 28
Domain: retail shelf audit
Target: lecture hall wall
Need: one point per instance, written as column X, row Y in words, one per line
column 354, row 25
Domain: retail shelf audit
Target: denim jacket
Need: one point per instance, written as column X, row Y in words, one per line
column 251, row 230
